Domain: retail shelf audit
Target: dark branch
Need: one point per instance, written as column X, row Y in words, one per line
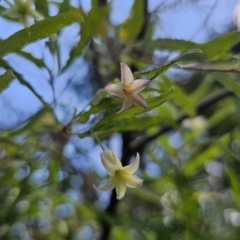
column 127, row 138
column 144, row 28
column 112, row 207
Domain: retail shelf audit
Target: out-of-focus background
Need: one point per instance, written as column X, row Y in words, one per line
column 189, row 145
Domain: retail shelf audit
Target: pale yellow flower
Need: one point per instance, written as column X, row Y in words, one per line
column 129, row 88
column 22, row 9
column 120, row 177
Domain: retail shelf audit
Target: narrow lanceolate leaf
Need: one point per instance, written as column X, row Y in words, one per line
column 212, row 151
column 133, row 25
column 218, row 48
column 42, row 6
column 99, row 103
column 90, row 28
column 152, row 103
column 230, row 82
column 230, row 66
column 111, row 119
column 155, row 72
column 180, row 98
column 37, row 61
column 5, row 79
column 64, row 7
column 131, row 124
column 233, row 179
column 39, row 30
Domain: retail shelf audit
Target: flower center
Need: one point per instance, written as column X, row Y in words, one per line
column 125, row 91
column 119, row 176
column 22, row 11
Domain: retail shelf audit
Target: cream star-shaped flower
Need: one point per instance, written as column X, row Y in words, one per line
column 22, row 10
column 120, row 177
column 129, row 88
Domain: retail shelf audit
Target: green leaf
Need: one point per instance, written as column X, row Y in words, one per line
column 233, row 176
column 133, row 25
column 112, row 117
column 39, row 30
column 196, row 163
column 134, row 110
column 5, row 79
column 212, row 151
column 64, row 7
column 131, row 124
column 180, row 98
column 228, row 81
column 221, row 115
column 204, row 87
column 155, row 72
column 88, row 30
column 217, row 48
column 99, row 103
column 214, row 66
column 42, row 6
column 38, row 62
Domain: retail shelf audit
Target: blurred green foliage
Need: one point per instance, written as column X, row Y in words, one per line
column 188, row 139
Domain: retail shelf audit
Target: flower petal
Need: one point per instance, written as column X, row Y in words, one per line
column 115, row 89
column 23, row 19
column 136, row 86
column 132, row 168
column 137, row 99
column 120, row 189
column 126, row 74
column 111, row 157
column 108, row 186
column 127, row 102
column 111, row 168
column 133, row 181
column 11, row 12
column 35, row 14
